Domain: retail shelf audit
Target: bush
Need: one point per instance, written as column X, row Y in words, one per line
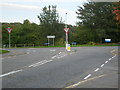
column 91, row 43
column 61, row 42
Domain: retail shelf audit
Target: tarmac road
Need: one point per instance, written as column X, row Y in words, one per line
column 82, row 67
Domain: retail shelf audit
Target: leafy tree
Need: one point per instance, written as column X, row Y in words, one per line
column 50, row 23
column 49, row 15
column 98, row 18
column 117, row 11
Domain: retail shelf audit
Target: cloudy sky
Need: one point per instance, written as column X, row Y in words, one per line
column 19, row 10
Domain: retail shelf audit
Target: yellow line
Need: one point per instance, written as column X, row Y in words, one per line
column 81, row 82
column 114, row 52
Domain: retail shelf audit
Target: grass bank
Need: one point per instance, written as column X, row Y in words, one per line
column 3, row 51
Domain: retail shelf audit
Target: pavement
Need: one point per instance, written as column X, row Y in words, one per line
column 82, row 67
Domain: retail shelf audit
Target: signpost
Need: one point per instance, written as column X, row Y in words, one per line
column 9, row 29
column 51, row 37
column 67, row 45
column 66, row 31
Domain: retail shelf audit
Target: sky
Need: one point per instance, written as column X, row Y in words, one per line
column 20, row 10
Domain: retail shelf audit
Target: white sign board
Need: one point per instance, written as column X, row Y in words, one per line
column 107, row 40
column 50, row 36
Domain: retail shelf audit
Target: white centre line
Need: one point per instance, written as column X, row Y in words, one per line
column 42, row 63
column 60, row 52
column 96, row 69
column 12, row 72
column 37, row 63
column 114, row 56
column 87, row 76
column 102, row 65
column 110, row 59
column 54, row 56
column 106, row 61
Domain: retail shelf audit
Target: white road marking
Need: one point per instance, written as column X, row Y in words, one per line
column 9, row 57
column 74, row 85
column 87, row 76
column 114, row 56
column 110, row 59
column 62, row 56
column 102, row 65
column 37, row 63
column 12, row 72
column 40, row 63
column 106, row 61
column 60, row 52
column 53, row 50
column 96, row 69
column 54, row 56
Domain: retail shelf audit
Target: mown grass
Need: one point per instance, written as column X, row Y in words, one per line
column 3, row 51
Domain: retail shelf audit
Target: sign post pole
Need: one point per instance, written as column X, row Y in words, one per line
column 53, row 37
column 53, row 41
column 48, row 41
column 66, row 39
column 9, row 31
column 9, row 40
column 66, row 31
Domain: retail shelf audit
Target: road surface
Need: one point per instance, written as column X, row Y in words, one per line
column 82, row 67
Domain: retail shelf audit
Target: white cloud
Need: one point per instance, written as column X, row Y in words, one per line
column 35, row 10
column 15, row 6
column 43, row 0
column 19, row 6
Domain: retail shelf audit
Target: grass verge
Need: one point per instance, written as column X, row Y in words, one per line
column 3, row 51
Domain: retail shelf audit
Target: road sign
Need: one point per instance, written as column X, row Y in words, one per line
column 9, row 30
column 107, row 40
column 66, row 30
column 50, row 36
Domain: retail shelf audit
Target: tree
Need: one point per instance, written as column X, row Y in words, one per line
column 49, row 15
column 117, row 11
column 97, row 16
column 50, row 23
